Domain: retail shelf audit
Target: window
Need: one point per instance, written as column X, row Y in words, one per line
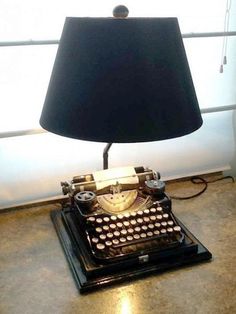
column 34, row 165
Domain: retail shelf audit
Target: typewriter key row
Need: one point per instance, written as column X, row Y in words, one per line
column 130, row 231
column 146, row 215
column 116, row 228
column 115, row 231
column 133, row 224
column 109, row 240
column 130, row 235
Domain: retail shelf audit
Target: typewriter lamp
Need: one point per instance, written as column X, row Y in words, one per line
column 121, row 80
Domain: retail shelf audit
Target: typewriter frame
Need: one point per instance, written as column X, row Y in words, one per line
column 90, row 273
column 90, row 276
column 165, row 202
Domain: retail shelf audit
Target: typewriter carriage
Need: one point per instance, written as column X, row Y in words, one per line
column 114, row 194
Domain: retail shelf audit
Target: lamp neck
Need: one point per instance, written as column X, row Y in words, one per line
column 105, row 155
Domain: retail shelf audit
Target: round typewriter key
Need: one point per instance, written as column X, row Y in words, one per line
column 159, row 217
column 120, row 216
column 122, row 240
column 140, row 212
column 133, row 214
column 177, row 229
column 157, row 224
column 130, row 230
column 129, row 238
column 119, row 224
column 159, row 209
column 106, row 219
column 95, row 240
column 127, row 215
column 153, row 218
column 99, row 220
column 143, row 235
column 149, row 233
column 133, row 222
column 98, row 230
column 165, row 216
column 136, row 236
column 169, row 230
column 164, row 223
column 144, row 227
column 146, row 211
column 170, row 223
column 156, row 232
column 100, row 246
column 153, row 210
column 126, row 223
column 116, row 233
column 151, row 226
column 112, row 226
column 139, row 220
column 163, row 231
column 137, row 229
column 146, row 219
column 105, row 228
column 102, row 236
column 113, row 218
column 115, row 241
column 123, row 231
column 91, row 219
column 108, row 243
column 110, row 235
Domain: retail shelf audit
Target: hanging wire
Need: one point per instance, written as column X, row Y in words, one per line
column 225, row 39
column 227, row 29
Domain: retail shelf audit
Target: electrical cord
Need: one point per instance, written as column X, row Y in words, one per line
column 200, row 180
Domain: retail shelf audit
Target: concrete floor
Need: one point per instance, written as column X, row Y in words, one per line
column 35, row 277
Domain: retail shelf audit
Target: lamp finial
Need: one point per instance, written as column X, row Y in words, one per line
column 120, row 11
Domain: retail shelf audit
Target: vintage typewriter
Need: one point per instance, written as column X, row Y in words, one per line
column 119, row 224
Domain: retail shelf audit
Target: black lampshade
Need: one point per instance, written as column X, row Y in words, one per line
column 120, row 81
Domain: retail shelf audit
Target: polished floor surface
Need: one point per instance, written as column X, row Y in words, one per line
column 35, row 277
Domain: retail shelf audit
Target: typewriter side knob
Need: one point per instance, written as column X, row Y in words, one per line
column 154, row 187
column 65, row 187
column 85, row 200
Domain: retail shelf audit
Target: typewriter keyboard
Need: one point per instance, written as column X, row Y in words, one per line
column 115, row 235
